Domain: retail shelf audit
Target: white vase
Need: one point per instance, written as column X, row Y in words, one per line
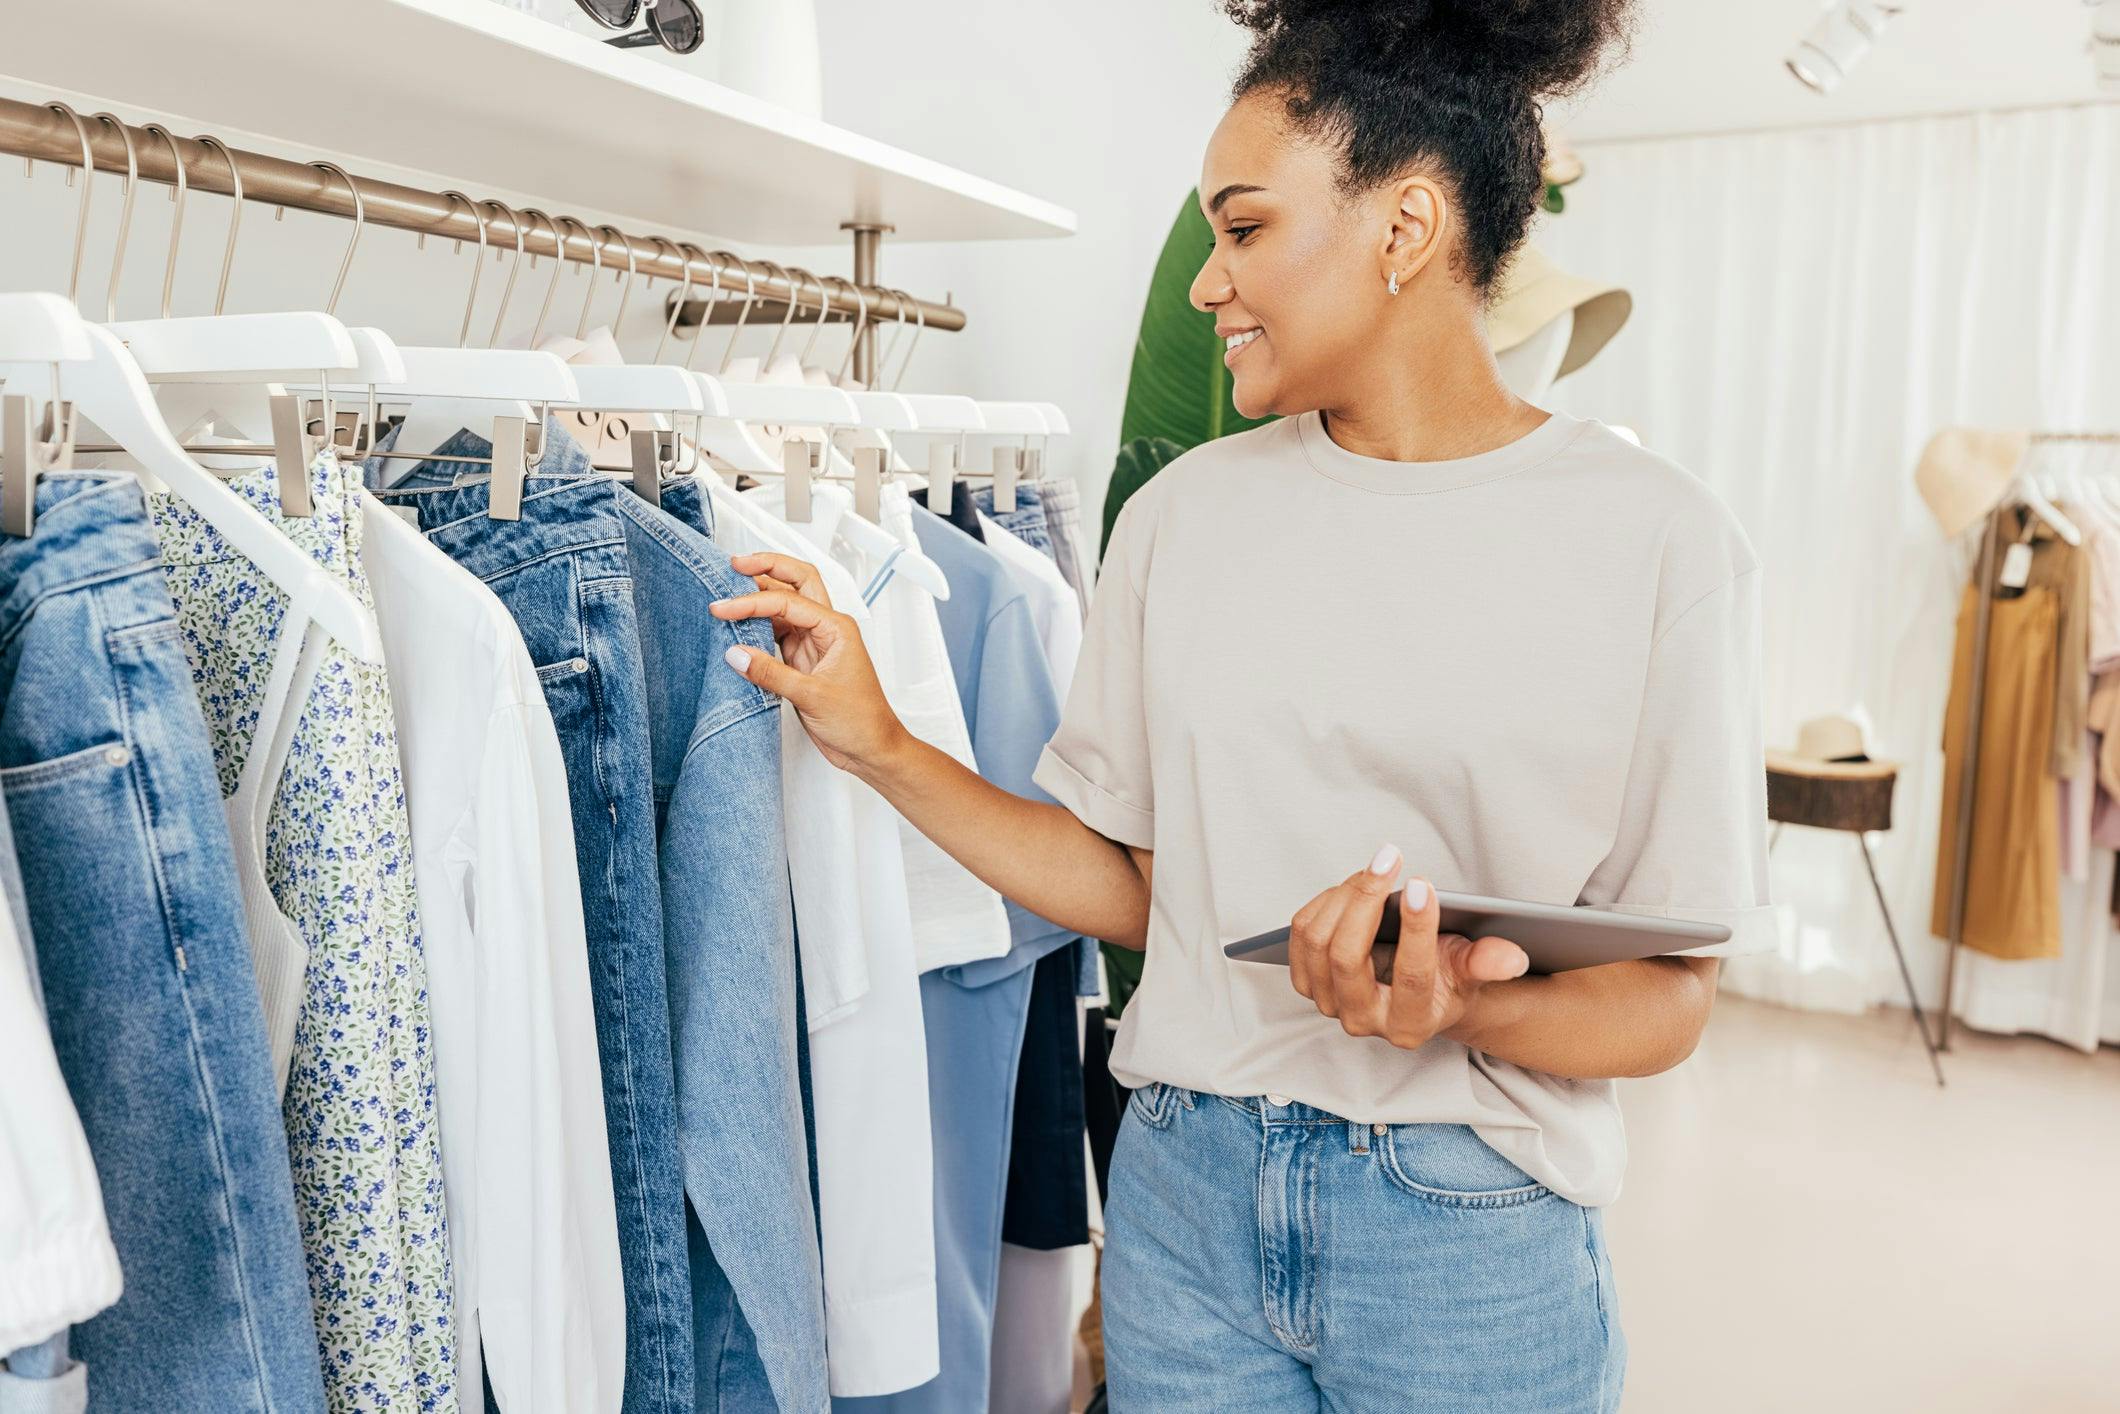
column 769, row 50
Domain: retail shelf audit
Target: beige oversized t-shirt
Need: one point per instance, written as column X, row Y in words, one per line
column 1535, row 670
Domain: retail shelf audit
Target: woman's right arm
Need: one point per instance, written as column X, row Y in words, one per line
column 1032, row 851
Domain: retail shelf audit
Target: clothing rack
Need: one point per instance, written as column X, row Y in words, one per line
column 40, row 132
column 1976, row 708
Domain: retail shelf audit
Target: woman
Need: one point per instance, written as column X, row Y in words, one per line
column 1414, row 622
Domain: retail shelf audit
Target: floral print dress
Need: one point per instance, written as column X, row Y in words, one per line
column 360, row 1109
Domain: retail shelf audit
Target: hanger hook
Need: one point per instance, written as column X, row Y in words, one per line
column 360, row 219
column 699, row 335
column 794, row 304
column 861, row 323
column 596, row 268
column 132, row 178
column 559, row 264
column 88, row 186
column 515, row 224
column 176, row 218
column 920, row 311
column 750, row 297
column 684, row 261
column 625, row 291
column 824, row 312
column 478, row 263
column 235, row 214
column 890, row 350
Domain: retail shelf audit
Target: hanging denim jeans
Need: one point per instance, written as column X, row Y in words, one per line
column 563, row 572
column 728, row 924
column 131, row 890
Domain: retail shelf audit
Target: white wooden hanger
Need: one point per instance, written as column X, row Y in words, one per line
column 493, row 391
column 628, row 414
column 41, row 328
column 179, row 348
column 946, row 420
column 34, row 328
column 739, row 405
column 110, row 391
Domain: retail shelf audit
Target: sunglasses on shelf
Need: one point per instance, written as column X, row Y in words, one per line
column 674, row 24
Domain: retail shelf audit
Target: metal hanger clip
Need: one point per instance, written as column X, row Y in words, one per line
column 27, row 455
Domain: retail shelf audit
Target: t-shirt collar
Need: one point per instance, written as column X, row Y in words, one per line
column 1330, row 459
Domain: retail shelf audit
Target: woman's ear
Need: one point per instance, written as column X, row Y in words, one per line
column 1417, row 214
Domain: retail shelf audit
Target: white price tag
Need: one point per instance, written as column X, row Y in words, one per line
column 2017, row 567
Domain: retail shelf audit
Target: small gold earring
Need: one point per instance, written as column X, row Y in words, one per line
column 1393, row 287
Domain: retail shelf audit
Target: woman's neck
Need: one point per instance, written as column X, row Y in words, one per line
column 1444, row 402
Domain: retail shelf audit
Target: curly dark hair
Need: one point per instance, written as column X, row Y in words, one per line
column 1457, row 84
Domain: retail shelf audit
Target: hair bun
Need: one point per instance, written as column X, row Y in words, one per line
column 1543, row 47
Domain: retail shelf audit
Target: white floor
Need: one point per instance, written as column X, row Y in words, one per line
column 1809, row 1223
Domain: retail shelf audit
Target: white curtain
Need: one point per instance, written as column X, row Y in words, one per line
column 1809, row 307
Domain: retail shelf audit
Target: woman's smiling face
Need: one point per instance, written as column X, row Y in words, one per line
column 1299, row 277
column 1290, row 280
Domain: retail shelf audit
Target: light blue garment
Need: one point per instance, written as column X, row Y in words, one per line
column 141, row 951
column 1027, row 522
column 1275, row 1258
column 729, row 933
column 1034, row 522
column 974, row 1013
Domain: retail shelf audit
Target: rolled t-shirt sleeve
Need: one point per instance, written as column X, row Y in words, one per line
column 1097, row 763
column 1691, row 842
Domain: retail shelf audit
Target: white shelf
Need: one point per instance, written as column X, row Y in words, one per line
column 493, row 101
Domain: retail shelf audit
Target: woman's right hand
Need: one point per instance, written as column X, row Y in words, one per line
column 823, row 668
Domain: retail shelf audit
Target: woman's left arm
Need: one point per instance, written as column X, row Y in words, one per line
column 1595, row 1023
column 1624, row 1018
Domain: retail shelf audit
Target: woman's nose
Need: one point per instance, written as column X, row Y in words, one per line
column 1211, row 286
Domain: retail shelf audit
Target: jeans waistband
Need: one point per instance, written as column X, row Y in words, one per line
column 91, row 526
column 1270, row 1110
column 559, row 514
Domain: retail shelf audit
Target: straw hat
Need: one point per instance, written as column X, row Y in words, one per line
column 1829, row 746
column 1534, row 292
column 1964, row 471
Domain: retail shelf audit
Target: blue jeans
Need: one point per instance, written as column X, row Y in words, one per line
column 131, row 890
column 563, row 572
column 1274, row 1257
column 1027, row 522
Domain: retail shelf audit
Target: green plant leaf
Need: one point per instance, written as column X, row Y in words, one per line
column 1138, row 461
column 1122, row 973
column 1178, row 388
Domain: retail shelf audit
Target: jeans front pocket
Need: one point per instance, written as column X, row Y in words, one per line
column 1449, row 1165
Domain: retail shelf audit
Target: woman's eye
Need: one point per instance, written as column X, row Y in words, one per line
column 1240, row 234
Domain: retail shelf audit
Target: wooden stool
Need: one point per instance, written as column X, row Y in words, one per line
column 1856, row 797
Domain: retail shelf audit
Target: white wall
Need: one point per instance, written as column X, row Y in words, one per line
column 1103, row 106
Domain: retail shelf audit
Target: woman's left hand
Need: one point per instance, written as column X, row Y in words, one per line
column 1409, row 995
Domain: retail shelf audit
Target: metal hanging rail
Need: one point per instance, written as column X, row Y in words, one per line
column 44, row 134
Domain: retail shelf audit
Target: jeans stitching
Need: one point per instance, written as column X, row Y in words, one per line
column 1452, row 1198
column 142, row 802
column 583, row 592
column 38, row 774
column 25, row 614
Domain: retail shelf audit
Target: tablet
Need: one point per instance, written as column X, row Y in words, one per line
column 1556, row 937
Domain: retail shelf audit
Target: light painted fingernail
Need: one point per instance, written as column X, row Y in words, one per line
column 738, row 658
column 1416, row 893
column 1523, row 965
column 1387, row 860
